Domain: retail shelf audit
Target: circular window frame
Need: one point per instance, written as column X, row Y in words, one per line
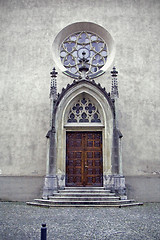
column 80, row 27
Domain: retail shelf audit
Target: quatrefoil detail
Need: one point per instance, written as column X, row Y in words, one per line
column 84, row 111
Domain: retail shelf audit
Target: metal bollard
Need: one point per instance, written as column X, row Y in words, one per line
column 43, row 232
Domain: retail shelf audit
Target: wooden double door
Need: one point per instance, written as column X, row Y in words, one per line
column 84, row 164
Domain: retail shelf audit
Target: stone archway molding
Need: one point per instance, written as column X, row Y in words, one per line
column 56, row 166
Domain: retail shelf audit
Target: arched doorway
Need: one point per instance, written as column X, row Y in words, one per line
column 84, row 135
column 83, row 112
column 84, row 156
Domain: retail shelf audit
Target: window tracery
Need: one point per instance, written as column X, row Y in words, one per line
column 95, row 51
column 84, row 111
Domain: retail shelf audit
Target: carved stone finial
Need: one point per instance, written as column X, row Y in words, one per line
column 114, row 73
column 114, row 88
column 53, row 88
column 54, row 73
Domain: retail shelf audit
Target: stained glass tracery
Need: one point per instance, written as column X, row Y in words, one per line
column 84, row 111
column 95, row 51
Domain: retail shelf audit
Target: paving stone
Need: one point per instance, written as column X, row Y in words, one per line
column 21, row 222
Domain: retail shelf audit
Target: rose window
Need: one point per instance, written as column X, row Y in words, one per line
column 76, row 45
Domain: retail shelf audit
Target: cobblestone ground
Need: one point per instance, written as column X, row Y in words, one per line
column 21, row 222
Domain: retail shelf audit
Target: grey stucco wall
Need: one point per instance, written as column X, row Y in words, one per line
column 143, row 188
column 28, row 29
column 21, row 188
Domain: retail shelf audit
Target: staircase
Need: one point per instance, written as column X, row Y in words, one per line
column 84, row 197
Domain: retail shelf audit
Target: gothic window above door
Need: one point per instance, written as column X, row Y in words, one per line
column 84, row 111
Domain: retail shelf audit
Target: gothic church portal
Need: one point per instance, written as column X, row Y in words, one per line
column 84, row 139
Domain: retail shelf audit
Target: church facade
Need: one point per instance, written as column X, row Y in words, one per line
column 101, row 117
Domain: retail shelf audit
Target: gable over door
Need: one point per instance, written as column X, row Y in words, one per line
column 84, row 165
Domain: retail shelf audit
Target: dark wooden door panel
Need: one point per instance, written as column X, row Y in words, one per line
column 84, row 166
column 93, row 159
column 74, row 159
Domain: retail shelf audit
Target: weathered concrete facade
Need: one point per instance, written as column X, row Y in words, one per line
column 28, row 29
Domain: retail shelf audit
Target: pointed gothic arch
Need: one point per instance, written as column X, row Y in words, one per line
column 104, row 109
column 92, row 95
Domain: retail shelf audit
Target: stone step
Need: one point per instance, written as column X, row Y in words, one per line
column 83, row 191
column 84, row 194
column 82, row 198
column 84, row 205
column 82, row 202
column 85, row 188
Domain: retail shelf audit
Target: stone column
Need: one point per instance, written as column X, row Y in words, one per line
column 50, row 184
column 116, row 181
